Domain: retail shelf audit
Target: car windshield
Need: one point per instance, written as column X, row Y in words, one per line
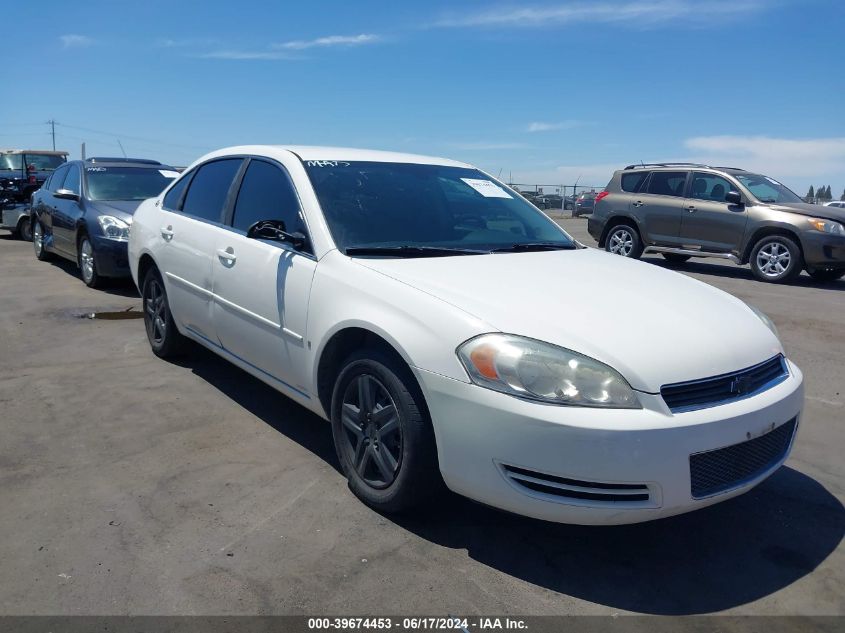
column 126, row 183
column 44, row 162
column 767, row 189
column 407, row 209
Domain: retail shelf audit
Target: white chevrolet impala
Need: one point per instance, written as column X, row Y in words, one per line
column 454, row 334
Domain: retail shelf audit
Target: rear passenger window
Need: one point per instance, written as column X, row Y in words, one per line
column 631, row 182
column 209, row 189
column 267, row 194
column 174, row 196
column 667, row 183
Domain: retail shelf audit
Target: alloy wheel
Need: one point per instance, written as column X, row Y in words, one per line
column 86, row 260
column 372, row 433
column 38, row 239
column 621, row 242
column 154, row 312
column 773, row 259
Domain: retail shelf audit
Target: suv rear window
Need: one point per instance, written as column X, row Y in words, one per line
column 631, row 182
column 667, row 183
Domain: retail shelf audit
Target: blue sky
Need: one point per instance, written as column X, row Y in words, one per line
column 545, row 91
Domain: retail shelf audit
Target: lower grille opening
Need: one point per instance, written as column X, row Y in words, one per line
column 565, row 488
column 726, row 468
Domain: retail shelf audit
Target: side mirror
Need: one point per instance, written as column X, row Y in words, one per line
column 66, row 194
column 274, row 230
column 733, row 197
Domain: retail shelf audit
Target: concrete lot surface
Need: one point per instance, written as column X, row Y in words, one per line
column 129, row 485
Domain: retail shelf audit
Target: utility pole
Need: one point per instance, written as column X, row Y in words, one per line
column 53, row 131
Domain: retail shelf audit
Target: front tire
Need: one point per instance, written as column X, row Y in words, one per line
column 382, row 433
column 165, row 340
column 87, row 263
column 623, row 239
column 776, row 259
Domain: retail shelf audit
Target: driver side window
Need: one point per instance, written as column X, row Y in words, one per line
column 710, row 187
column 267, row 193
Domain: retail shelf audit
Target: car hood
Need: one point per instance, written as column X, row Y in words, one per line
column 813, row 210
column 121, row 209
column 655, row 326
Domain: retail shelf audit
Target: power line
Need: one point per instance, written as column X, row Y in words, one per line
column 134, row 138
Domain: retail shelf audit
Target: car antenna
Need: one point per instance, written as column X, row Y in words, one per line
column 121, row 147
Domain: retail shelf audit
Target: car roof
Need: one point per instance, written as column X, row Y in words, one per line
column 116, row 162
column 682, row 166
column 49, row 152
column 312, row 152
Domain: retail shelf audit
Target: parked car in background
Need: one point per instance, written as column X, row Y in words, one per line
column 584, row 203
column 685, row 210
column 408, row 300
column 14, row 216
column 84, row 210
column 29, row 168
column 550, row 201
column 838, row 204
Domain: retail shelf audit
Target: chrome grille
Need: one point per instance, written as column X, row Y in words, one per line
column 569, row 489
column 709, row 392
column 720, row 470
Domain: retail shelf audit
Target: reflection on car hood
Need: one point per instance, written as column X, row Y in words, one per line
column 121, row 209
column 653, row 325
column 814, row 210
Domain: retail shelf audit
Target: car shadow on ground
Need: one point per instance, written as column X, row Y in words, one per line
column 120, row 287
column 706, row 561
column 737, row 272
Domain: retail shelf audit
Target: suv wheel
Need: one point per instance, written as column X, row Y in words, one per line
column 826, row 274
column 776, row 259
column 382, row 434
column 624, row 240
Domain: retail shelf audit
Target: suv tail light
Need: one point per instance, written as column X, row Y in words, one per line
column 601, row 196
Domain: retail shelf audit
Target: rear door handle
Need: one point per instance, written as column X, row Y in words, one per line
column 167, row 233
column 638, row 203
column 228, row 255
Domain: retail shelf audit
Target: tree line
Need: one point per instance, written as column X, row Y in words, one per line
column 822, row 194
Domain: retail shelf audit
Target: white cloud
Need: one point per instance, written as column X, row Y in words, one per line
column 791, row 160
column 75, row 41
column 330, row 40
column 629, row 12
column 539, row 126
column 244, row 55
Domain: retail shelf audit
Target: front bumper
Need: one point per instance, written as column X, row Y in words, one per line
column 111, row 257
column 484, row 436
column 823, row 250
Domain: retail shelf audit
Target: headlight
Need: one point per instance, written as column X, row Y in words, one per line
column 535, row 370
column 827, row 226
column 114, row 228
column 766, row 320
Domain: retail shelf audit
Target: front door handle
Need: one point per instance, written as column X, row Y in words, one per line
column 638, row 203
column 691, row 208
column 228, row 255
column 167, row 233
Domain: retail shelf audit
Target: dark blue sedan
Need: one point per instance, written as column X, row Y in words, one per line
column 84, row 210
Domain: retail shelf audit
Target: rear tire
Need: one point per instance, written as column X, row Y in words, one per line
column 25, row 229
column 823, row 274
column 776, row 259
column 382, row 433
column 41, row 253
column 675, row 258
column 165, row 340
column 623, row 239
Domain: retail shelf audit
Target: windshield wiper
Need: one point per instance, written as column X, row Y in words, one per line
column 412, row 251
column 534, row 246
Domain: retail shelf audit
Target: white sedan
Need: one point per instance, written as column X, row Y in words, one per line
column 454, row 334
